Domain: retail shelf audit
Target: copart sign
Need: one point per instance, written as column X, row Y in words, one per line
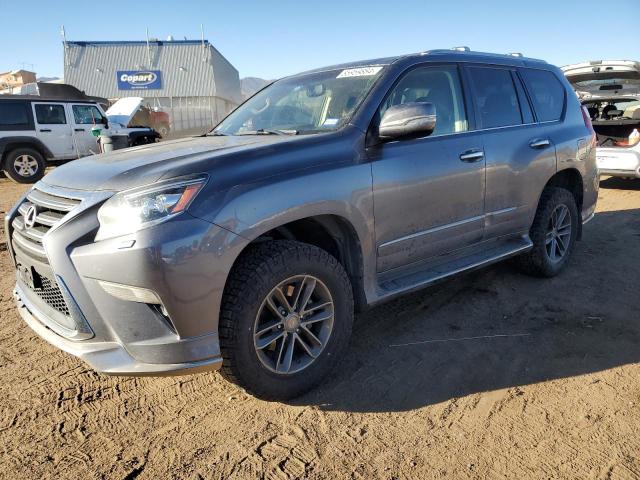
column 139, row 79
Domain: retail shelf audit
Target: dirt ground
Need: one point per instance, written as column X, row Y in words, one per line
column 492, row 375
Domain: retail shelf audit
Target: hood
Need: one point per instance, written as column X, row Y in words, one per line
column 146, row 164
column 604, row 78
column 123, row 110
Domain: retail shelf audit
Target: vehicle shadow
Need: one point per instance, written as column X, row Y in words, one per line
column 497, row 328
column 616, row 183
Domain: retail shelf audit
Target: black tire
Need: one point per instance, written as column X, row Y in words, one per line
column 256, row 273
column 24, row 165
column 538, row 261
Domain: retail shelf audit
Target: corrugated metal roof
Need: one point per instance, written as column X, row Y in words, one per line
column 134, row 42
column 189, row 68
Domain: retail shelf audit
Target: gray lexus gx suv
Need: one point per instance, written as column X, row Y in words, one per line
column 250, row 248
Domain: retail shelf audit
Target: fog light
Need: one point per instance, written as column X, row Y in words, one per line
column 129, row 293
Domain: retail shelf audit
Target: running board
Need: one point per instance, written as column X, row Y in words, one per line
column 418, row 277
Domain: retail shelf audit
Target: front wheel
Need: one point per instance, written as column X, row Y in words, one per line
column 553, row 233
column 286, row 318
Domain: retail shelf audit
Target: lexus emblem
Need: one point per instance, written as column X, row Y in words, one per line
column 30, row 216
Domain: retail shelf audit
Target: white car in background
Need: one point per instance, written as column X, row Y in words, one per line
column 35, row 130
column 610, row 91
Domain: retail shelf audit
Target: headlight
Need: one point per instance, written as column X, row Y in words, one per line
column 132, row 210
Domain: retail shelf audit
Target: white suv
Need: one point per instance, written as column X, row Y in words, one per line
column 34, row 130
column 610, row 91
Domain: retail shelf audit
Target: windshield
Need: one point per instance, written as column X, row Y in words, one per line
column 312, row 103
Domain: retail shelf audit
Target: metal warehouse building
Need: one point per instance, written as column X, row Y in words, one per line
column 187, row 79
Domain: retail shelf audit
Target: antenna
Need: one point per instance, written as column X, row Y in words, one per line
column 64, row 45
column 148, row 48
column 204, row 59
column 213, row 71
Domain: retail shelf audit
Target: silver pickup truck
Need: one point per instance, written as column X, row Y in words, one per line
column 250, row 248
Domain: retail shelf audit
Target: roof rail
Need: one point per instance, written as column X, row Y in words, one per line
column 467, row 50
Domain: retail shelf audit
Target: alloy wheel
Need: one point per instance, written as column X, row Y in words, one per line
column 25, row 165
column 558, row 236
column 293, row 324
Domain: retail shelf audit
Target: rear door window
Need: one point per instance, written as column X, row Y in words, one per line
column 14, row 116
column 50, row 114
column 546, row 92
column 525, row 106
column 495, row 97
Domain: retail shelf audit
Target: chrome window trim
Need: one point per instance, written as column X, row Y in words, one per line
column 482, row 130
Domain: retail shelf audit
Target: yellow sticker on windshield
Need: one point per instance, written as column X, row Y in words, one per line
column 359, row 72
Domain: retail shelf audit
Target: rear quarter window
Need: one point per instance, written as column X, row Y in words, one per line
column 546, row 92
column 495, row 97
column 14, row 116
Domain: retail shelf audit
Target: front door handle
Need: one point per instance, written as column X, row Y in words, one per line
column 471, row 156
column 78, row 129
column 539, row 143
column 45, row 129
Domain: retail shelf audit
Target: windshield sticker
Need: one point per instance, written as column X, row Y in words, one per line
column 329, row 122
column 359, row 72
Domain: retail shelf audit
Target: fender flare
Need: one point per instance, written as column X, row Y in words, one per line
column 9, row 143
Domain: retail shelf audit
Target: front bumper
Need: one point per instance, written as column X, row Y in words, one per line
column 619, row 162
column 620, row 173
column 185, row 261
column 108, row 357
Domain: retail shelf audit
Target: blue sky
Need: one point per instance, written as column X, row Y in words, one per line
column 273, row 38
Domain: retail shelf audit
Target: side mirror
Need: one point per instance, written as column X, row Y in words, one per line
column 409, row 120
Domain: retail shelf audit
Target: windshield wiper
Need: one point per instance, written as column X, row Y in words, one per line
column 265, row 131
column 216, row 134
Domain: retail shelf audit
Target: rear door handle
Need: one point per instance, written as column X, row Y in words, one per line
column 45, row 129
column 539, row 143
column 471, row 156
column 78, row 129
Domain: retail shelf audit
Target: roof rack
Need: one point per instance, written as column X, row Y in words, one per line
column 463, row 50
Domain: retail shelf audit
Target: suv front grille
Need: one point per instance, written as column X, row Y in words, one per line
column 38, row 286
column 49, row 211
column 51, row 295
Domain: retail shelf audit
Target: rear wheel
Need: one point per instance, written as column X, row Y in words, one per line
column 24, row 165
column 553, row 233
column 286, row 318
